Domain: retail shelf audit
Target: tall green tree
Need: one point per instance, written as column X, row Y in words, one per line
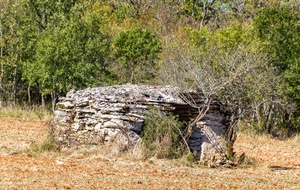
column 49, row 47
column 278, row 28
column 68, row 55
column 137, row 52
column 13, row 20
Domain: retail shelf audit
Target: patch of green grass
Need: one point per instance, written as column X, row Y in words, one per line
column 48, row 145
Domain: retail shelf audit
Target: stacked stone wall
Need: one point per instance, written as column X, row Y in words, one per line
column 116, row 114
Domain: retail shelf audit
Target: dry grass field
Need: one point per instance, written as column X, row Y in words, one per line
column 273, row 164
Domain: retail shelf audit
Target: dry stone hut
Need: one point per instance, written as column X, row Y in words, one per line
column 105, row 115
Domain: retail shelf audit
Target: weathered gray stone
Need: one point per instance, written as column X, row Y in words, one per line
column 98, row 127
column 196, row 135
column 77, row 126
column 116, row 114
column 114, row 123
column 135, row 126
column 65, row 105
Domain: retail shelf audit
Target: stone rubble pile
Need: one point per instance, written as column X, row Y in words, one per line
column 115, row 114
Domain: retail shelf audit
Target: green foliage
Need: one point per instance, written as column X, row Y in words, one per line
column 137, row 51
column 278, row 28
column 227, row 63
column 226, row 39
column 36, row 149
column 69, row 57
column 161, row 135
column 137, row 43
column 57, row 47
column 123, row 11
column 69, row 54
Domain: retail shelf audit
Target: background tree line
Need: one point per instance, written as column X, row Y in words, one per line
column 245, row 52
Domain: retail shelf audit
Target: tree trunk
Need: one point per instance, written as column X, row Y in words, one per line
column 268, row 123
column 255, row 112
column 53, row 100
column 2, row 64
column 289, row 124
column 204, row 9
column 43, row 102
column 15, row 85
column 28, row 94
column 53, row 94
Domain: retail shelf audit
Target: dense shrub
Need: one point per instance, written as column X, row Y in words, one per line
column 162, row 135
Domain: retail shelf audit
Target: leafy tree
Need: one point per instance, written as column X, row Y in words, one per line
column 227, row 63
column 137, row 51
column 278, row 28
column 71, row 55
column 48, row 47
column 13, row 49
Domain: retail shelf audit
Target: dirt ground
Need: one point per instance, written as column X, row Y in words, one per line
column 275, row 165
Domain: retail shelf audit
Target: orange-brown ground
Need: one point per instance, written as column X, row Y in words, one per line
column 277, row 167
